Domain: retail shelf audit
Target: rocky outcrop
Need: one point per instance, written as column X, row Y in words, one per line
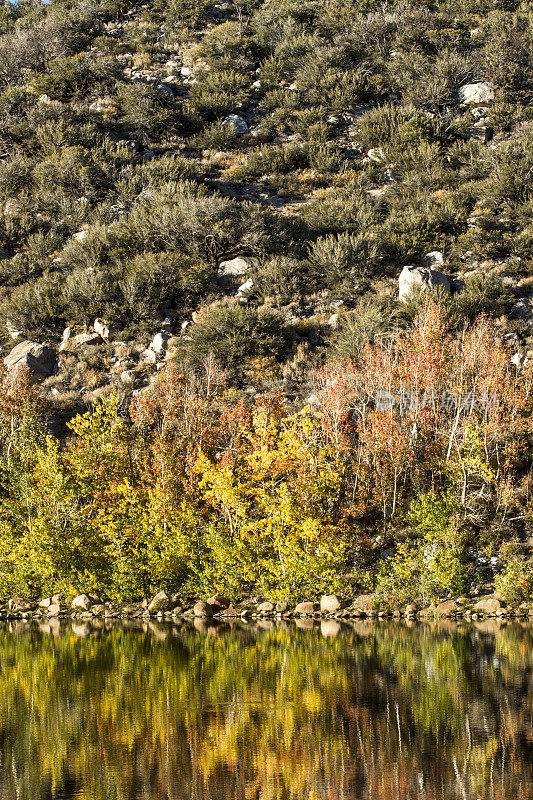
column 487, row 605
column 81, row 603
column 330, row 603
column 161, row 602
column 39, row 359
column 232, row 269
column 420, row 278
column 236, row 124
column 203, row 609
column 479, row 93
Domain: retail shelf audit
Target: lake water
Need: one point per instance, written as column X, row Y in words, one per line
column 373, row 712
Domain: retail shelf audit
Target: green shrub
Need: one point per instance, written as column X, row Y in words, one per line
column 342, row 257
column 235, row 335
column 482, row 294
column 515, row 583
column 74, row 77
column 369, row 322
column 282, row 277
column 148, row 113
column 432, row 566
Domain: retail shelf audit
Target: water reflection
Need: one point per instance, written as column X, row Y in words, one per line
column 267, row 712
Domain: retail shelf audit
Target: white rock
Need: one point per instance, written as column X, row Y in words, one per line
column 423, row 277
column 186, row 72
column 101, row 328
column 245, row 287
column 127, row 377
column 375, row 154
column 12, row 329
column 433, row 259
column 64, row 340
column 236, row 124
column 81, row 603
column 333, row 320
column 80, row 236
column 478, row 93
column 235, row 268
column 39, row 359
column 256, row 85
column 87, row 337
column 517, row 360
column 148, row 356
column 45, row 99
column 159, row 343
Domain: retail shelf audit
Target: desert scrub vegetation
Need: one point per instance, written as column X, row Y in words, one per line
column 245, row 182
column 198, row 487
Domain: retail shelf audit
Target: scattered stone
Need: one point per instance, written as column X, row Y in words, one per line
column 159, row 343
column 330, row 603
column 161, row 602
column 480, row 93
column 53, row 610
column 101, row 328
column 433, row 259
column 520, row 309
column 305, row 608
column 282, row 606
column 245, row 287
column 236, row 124
column 266, row 607
column 81, row 603
column 423, row 277
column 219, row 600
column 39, row 359
column 148, row 356
column 203, row 609
column 447, row 609
column 88, row 337
column 103, row 104
column 12, row 329
column 20, row 605
column 127, row 377
column 479, row 131
column 487, row 605
column 234, row 268
column 375, row 154
column 364, row 604
column 64, row 340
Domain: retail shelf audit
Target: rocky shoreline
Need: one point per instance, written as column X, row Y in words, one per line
column 162, row 607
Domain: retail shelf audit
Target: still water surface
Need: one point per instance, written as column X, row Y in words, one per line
column 374, row 712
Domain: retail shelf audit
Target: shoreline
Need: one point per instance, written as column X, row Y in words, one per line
column 89, row 608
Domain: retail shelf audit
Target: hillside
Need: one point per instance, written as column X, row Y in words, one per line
column 270, row 267
column 325, row 145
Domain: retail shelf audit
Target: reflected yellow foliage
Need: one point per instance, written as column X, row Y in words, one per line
column 282, row 714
